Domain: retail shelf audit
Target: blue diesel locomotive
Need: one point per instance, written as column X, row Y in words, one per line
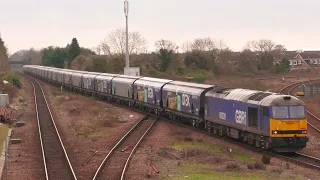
column 266, row 120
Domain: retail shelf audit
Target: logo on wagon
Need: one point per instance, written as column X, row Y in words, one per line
column 185, row 100
column 150, row 92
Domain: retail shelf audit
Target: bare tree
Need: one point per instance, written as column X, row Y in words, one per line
column 262, row 45
column 34, row 56
column 115, row 43
column 186, row 47
column 203, row 44
column 166, row 44
column 105, row 48
column 4, row 66
column 31, row 56
column 97, row 49
column 280, row 48
column 265, row 51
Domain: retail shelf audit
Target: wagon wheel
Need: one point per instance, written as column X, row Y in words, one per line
column 215, row 131
column 193, row 122
column 208, row 127
column 221, row 131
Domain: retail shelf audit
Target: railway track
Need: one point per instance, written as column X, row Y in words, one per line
column 115, row 164
column 313, row 120
column 55, row 158
column 306, row 159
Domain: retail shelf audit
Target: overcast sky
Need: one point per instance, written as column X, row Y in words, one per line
column 40, row 23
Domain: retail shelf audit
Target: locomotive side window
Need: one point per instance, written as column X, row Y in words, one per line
column 192, row 110
column 253, row 116
column 265, row 111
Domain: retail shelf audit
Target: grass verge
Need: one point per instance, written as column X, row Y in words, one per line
column 196, row 171
column 179, row 146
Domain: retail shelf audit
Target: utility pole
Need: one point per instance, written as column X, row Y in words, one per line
column 126, row 12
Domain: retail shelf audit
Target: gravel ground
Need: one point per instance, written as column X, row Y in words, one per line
column 179, row 153
column 88, row 126
column 25, row 160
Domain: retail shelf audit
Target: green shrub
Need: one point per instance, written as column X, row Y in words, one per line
column 259, row 165
column 13, row 79
column 199, row 78
column 250, row 166
column 265, row 159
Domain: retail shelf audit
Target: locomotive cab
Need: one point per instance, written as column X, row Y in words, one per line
column 288, row 124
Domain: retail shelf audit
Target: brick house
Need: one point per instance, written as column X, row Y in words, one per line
column 301, row 60
column 312, row 58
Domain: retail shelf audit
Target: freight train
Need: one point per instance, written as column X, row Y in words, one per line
column 267, row 120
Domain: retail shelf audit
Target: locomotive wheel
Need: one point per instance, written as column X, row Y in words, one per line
column 266, row 145
column 221, row 131
column 258, row 143
column 250, row 140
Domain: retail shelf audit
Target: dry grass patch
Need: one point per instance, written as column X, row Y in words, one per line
column 232, row 166
column 96, row 122
column 3, row 134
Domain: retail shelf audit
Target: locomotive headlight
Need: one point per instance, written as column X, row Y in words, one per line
column 304, row 132
column 274, row 132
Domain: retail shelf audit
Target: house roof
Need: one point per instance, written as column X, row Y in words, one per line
column 310, row 54
column 293, row 55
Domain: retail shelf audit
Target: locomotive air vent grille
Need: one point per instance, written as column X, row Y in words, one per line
column 264, row 95
column 259, row 96
column 253, row 97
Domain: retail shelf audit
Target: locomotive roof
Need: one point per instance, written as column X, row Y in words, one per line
column 240, row 94
column 281, row 99
column 255, row 97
